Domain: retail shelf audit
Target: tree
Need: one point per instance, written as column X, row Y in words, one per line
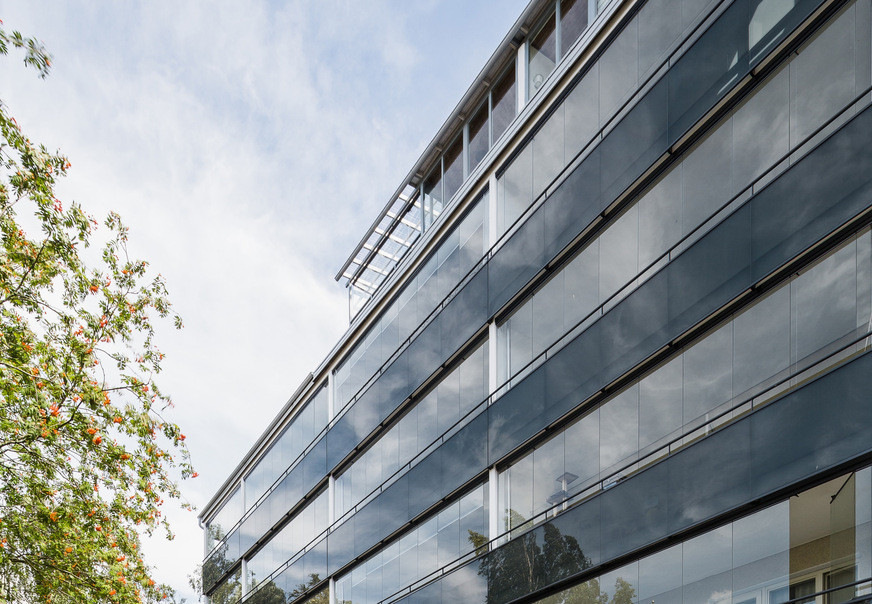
column 531, row 561
column 589, row 593
column 86, row 458
column 320, row 597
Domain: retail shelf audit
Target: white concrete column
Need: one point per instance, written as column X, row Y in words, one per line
column 493, row 525
column 330, row 397
column 492, row 358
column 492, row 200
column 331, row 500
column 331, row 596
column 245, row 585
column 521, row 75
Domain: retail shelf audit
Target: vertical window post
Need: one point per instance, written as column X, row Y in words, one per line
column 521, row 77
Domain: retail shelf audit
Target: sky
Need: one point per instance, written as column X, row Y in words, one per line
column 247, row 145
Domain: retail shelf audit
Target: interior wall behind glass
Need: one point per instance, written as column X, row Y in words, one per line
column 542, row 54
column 815, row 541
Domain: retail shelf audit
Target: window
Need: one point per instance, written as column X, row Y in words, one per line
column 479, row 142
column 433, row 196
column 453, row 175
column 503, row 103
column 542, row 54
column 573, row 21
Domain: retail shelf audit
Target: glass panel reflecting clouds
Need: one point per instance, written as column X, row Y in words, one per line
column 735, row 361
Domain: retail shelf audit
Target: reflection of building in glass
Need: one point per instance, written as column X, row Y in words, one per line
column 609, row 340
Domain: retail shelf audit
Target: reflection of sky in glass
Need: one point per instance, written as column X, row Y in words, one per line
column 681, row 394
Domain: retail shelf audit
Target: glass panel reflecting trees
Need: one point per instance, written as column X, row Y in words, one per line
column 224, row 520
column 817, row 540
column 457, row 530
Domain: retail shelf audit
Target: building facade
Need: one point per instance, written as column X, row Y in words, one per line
column 610, row 338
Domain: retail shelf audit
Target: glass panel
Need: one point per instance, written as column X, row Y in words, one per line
column 660, row 405
column 433, row 198
column 824, row 303
column 766, row 15
column 660, row 577
column 635, row 142
column 619, row 429
column 619, row 69
column 581, row 283
column 660, row 218
column 581, row 109
column 230, row 590
column 229, row 514
column 620, row 586
column 457, row 529
column 515, row 189
column 453, row 171
column 478, row 136
column 542, row 55
column 520, row 330
column 822, row 77
column 660, row 26
column 517, row 504
column 618, row 254
column 547, row 311
column 705, row 177
column 708, row 69
column 762, row 341
column 583, row 456
column 548, row 152
column 550, row 481
column 573, row 21
column 708, row 374
column 761, row 130
column 503, row 103
column 708, row 565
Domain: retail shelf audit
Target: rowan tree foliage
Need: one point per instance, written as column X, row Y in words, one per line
column 86, row 458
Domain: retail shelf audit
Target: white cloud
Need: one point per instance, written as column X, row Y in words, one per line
column 247, row 145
